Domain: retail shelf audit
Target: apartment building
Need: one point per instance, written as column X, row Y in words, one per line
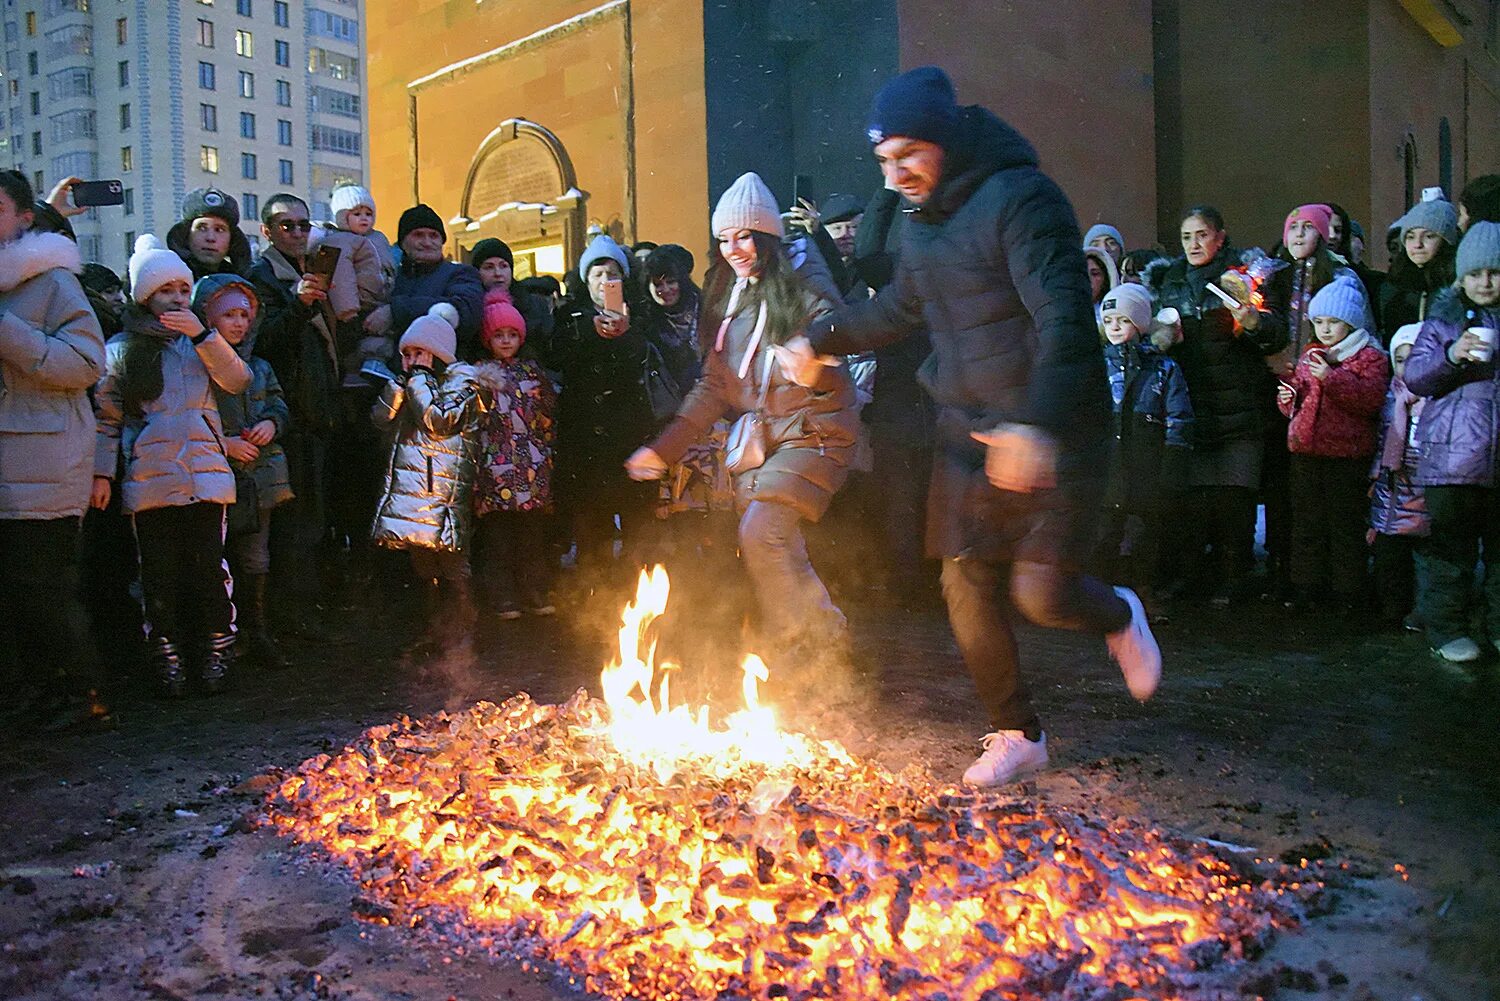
column 250, row 96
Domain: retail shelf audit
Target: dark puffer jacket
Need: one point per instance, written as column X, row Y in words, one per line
column 1153, row 426
column 1225, row 367
column 266, row 481
column 991, row 265
column 420, row 287
column 1460, row 425
column 812, row 431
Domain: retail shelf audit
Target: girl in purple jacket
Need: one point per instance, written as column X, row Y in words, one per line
column 1453, row 362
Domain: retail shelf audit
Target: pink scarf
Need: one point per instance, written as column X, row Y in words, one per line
column 1408, row 408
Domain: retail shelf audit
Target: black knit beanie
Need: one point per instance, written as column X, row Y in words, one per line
column 420, row 216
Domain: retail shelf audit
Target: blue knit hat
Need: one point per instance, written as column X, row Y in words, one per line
column 1437, row 215
column 603, row 248
column 1480, row 248
column 208, row 287
column 918, row 104
column 1342, row 299
column 1099, row 229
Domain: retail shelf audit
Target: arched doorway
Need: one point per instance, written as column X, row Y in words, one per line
column 521, row 189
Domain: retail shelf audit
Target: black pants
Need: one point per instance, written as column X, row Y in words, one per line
column 353, row 470
column 1223, row 522
column 1129, row 550
column 1276, row 495
column 43, row 635
column 299, row 526
column 110, row 570
column 594, row 525
column 1330, row 504
column 1465, row 520
column 1396, row 574
column 902, row 473
column 983, row 598
column 511, row 547
column 183, row 573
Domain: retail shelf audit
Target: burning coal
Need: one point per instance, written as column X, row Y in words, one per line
column 651, row 854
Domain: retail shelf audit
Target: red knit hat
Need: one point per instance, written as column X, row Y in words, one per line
column 500, row 314
column 1321, row 216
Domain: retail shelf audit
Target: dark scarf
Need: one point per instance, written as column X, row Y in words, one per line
column 681, row 328
column 140, row 378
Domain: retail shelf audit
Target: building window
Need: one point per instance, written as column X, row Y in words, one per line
column 206, row 76
column 244, row 44
column 127, row 159
column 129, row 242
column 75, row 165
column 208, row 116
column 208, row 158
column 335, row 102
column 247, row 84
column 345, row 29
column 74, row 40
column 283, row 53
column 122, row 30
column 71, row 125
column 31, row 64
column 331, row 64
column 70, row 83
column 30, row 23
column 1445, row 155
column 123, row 69
column 284, row 93
column 36, row 102
column 36, row 144
column 129, row 203
column 242, row 7
column 247, row 166
column 282, row 13
column 205, row 33
column 36, row 182
column 124, row 118
column 286, row 171
column 247, row 125
column 56, row 7
column 249, row 205
column 283, row 132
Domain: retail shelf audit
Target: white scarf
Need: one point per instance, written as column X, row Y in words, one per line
column 729, row 313
column 1348, row 347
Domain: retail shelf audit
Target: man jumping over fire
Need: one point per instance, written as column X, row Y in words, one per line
column 993, row 268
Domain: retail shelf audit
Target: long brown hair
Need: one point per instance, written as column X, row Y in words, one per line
column 778, row 285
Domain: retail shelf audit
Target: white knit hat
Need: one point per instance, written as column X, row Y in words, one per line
column 1134, row 301
column 436, row 330
column 350, row 196
column 748, row 204
column 1405, row 335
column 152, row 266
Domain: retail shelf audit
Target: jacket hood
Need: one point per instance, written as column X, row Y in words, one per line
column 238, row 262
column 985, row 146
column 32, row 254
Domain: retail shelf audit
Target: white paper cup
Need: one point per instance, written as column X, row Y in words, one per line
column 1169, row 317
column 1486, row 336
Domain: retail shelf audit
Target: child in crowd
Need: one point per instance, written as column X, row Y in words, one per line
column 1152, row 435
column 1398, row 511
column 353, row 210
column 426, row 505
column 1422, row 263
column 1333, row 400
column 513, row 489
column 254, row 421
column 1103, row 276
column 1453, row 363
column 156, row 406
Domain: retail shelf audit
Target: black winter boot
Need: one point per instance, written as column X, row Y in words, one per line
column 216, row 662
column 260, row 643
column 167, row 664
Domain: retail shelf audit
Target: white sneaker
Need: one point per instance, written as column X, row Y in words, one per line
column 1460, row 651
column 1007, row 756
column 1135, row 649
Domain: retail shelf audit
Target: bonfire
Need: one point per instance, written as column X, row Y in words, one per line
column 647, row 851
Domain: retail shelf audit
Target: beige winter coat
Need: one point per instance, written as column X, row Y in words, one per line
column 428, row 498
column 174, row 452
column 51, row 352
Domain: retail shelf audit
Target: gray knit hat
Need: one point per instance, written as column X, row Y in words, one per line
column 1439, row 216
column 1132, row 300
column 1343, row 299
column 436, row 330
column 1480, row 248
column 748, row 204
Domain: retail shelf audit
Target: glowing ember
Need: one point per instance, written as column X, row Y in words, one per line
column 652, row 856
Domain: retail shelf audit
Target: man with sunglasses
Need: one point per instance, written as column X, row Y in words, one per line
column 299, row 335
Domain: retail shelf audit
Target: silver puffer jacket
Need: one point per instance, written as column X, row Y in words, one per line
column 427, row 501
column 174, row 451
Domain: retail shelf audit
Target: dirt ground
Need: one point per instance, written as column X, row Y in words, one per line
column 126, row 871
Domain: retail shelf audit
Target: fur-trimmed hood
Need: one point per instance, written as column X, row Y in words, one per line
column 33, row 254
